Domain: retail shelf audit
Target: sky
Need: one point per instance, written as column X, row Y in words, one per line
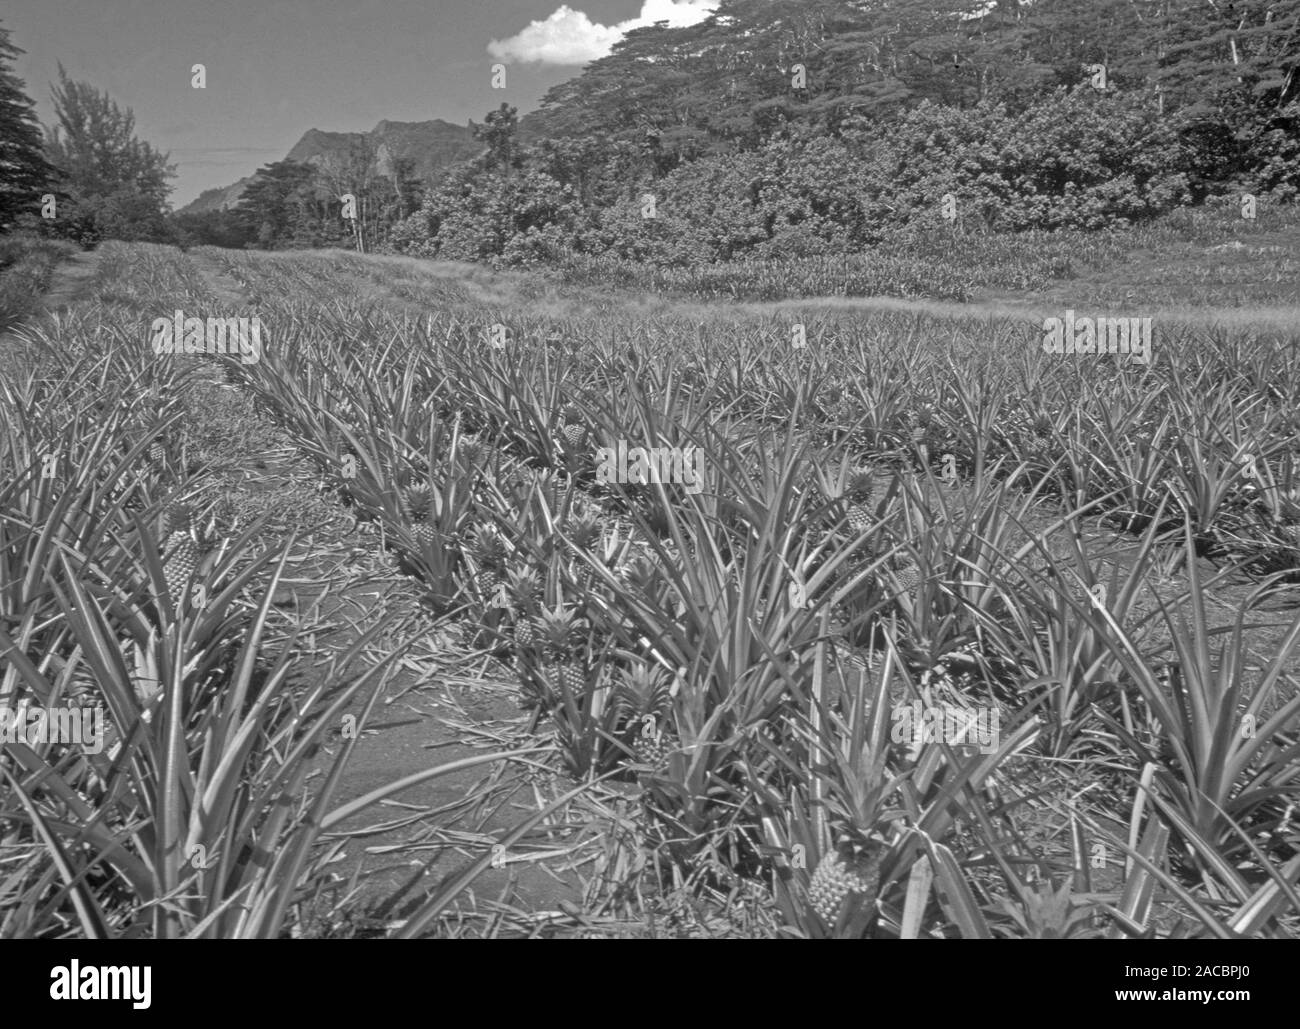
column 276, row 68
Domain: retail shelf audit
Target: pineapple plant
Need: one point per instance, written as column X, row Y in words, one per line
column 490, row 554
column 916, row 427
column 642, row 574
column 849, row 869
column 858, row 492
column 417, row 499
column 644, row 694
column 573, row 431
column 563, row 667
column 472, row 450
column 1040, row 442
column 584, row 533
column 527, row 589
column 561, row 629
column 530, row 637
column 176, row 518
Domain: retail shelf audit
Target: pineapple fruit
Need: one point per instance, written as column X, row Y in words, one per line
column 908, row 576
column 564, row 669
column 179, row 563
column 527, row 589
column 490, row 552
column 645, row 693
column 850, row 868
column 418, row 500
column 652, row 749
column 527, row 633
column 573, row 431
column 858, row 492
column 567, row 679
column 837, row 877
column 488, row 583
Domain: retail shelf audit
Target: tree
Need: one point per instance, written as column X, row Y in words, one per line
column 25, row 174
column 778, row 127
column 357, row 172
column 498, row 134
column 407, row 187
column 212, row 228
column 117, row 183
column 270, row 207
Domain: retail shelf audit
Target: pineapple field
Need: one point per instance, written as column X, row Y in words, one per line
column 950, row 637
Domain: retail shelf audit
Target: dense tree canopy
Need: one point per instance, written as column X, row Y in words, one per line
column 116, row 184
column 777, row 126
column 25, row 174
column 735, row 76
column 789, row 126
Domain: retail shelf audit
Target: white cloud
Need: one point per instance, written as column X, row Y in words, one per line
column 570, row 37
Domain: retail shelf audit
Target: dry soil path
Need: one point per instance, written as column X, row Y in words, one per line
column 403, row 849
column 395, row 854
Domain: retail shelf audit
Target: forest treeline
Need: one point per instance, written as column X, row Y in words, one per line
column 774, row 128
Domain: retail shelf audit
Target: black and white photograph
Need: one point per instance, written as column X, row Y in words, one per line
column 651, row 470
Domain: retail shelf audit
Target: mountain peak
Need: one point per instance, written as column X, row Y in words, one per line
column 431, row 147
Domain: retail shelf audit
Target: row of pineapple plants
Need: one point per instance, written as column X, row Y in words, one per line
column 119, row 595
column 940, row 265
column 678, row 623
column 946, row 261
column 1133, row 435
